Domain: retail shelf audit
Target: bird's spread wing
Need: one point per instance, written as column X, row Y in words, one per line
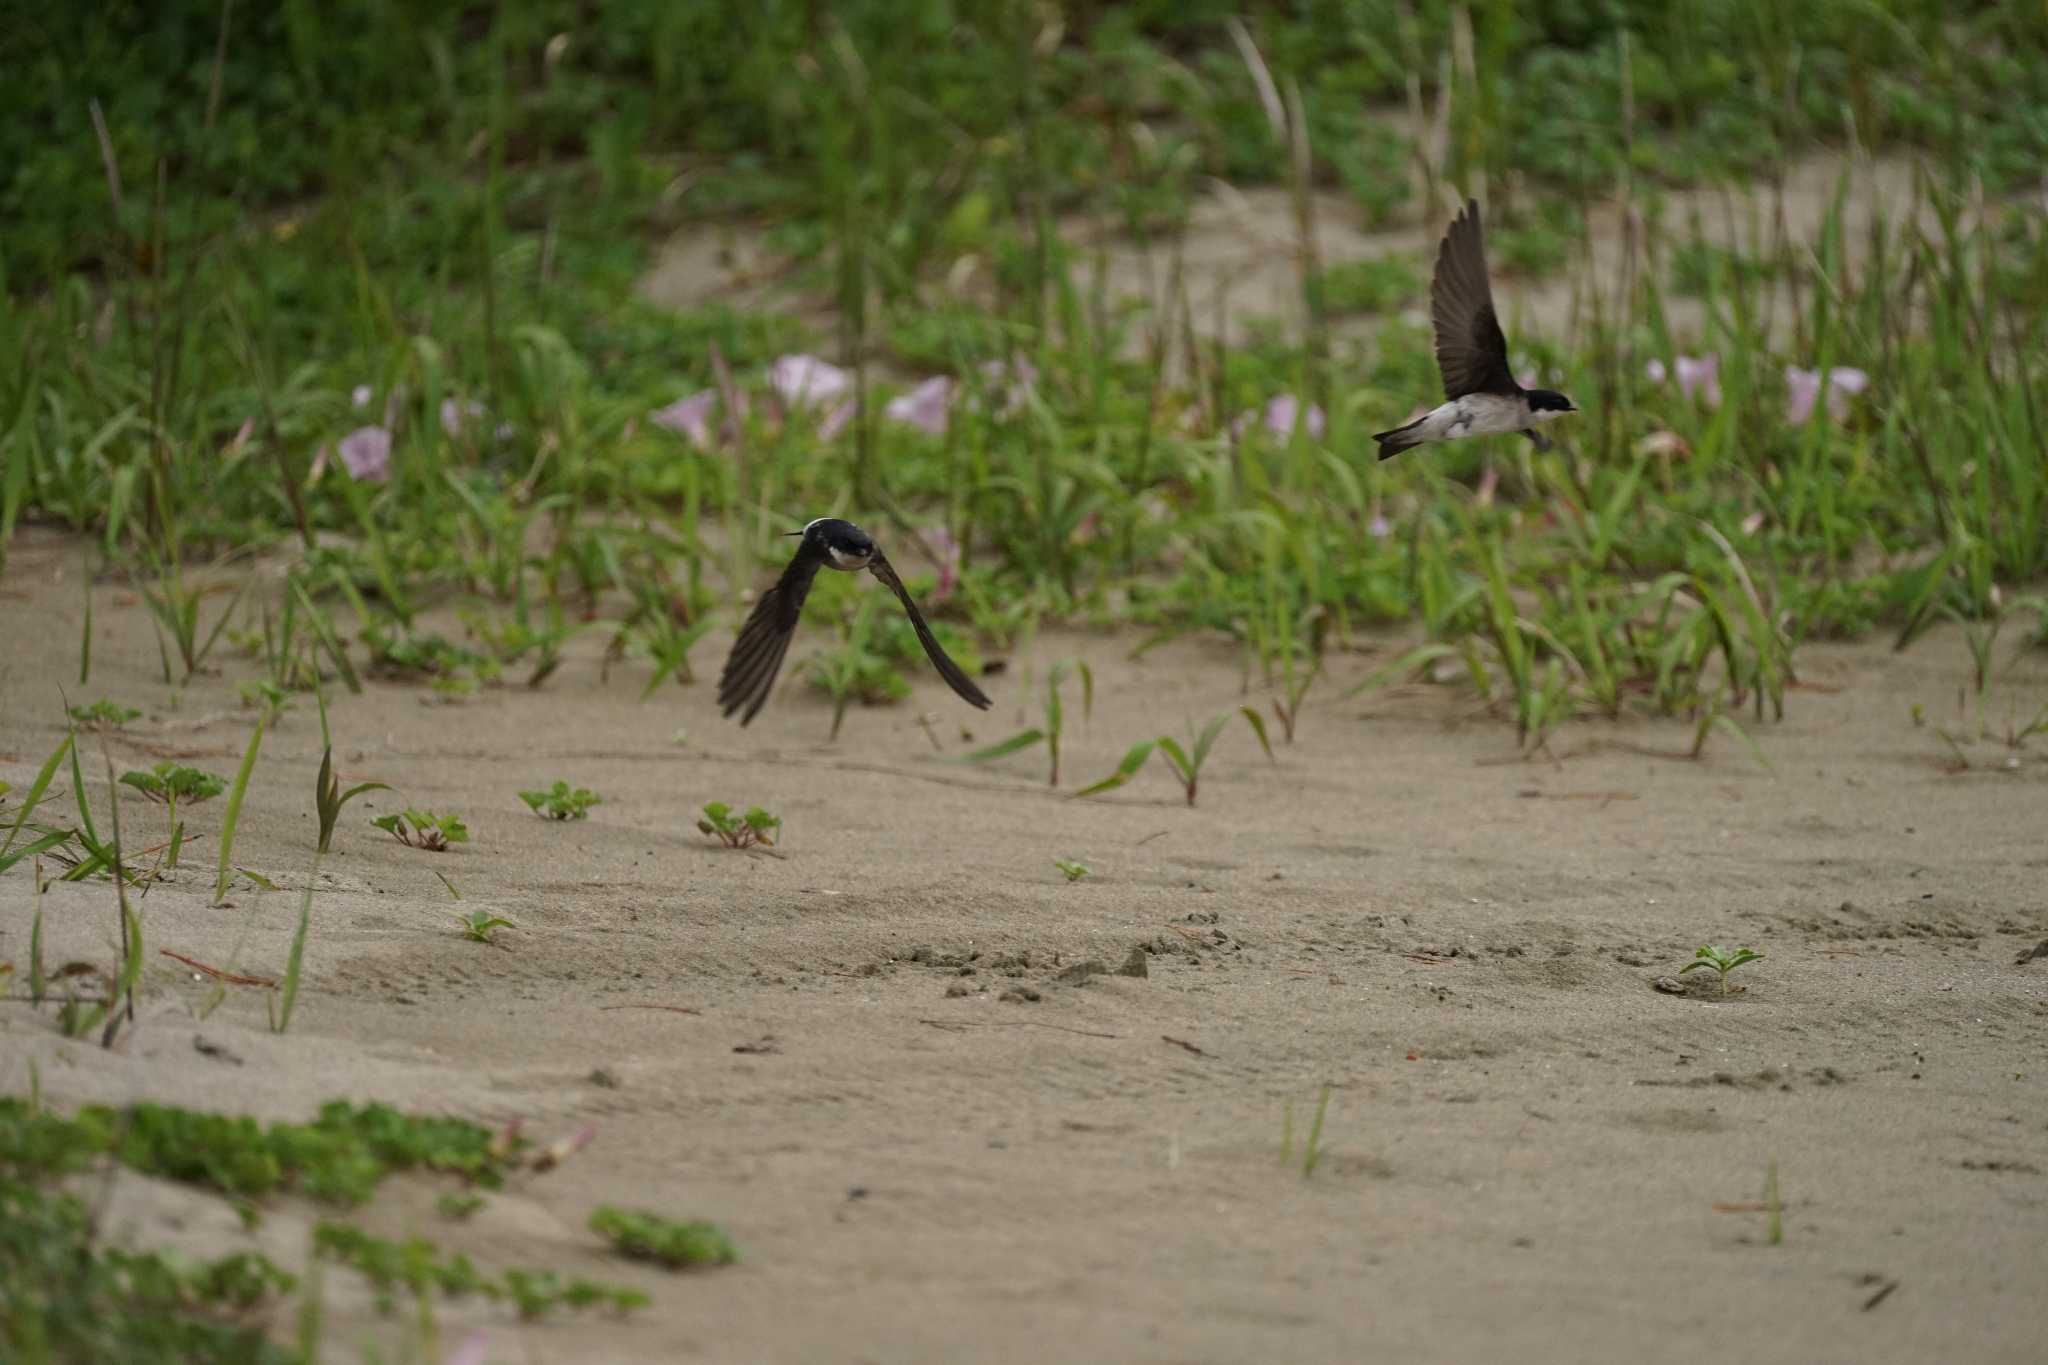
column 757, row 653
column 1470, row 349
column 950, row 671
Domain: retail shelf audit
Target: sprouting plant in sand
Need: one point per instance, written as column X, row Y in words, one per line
column 424, row 829
column 1313, row 1152
column 1050, row 732
column 103, row 715
column 329, row 798
column 169, row 784
column 667, row 1241
column 561, row 802
column 479, row 925
column 1075, row 871
column 757, row 826
column 1187, row 761
column 1721, row 960
column 267, row 698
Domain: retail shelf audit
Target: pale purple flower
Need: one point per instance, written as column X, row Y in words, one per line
column 1528, row 378
column 1283, row 413
column 924, row 407
column 1804, row 388
column 836, row 421
column 1698, row 377
column 804, row 381
column 1379, row 528
column 947, row 551
column 366, row 454
column 689, row 417
column 1016, row 378
column 457, row 415
column 1752, row 523
column 359, row 396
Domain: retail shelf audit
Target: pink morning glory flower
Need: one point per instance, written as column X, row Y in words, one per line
column 924, row 407
column 366, row 454
column 804, row 381
column 1804, row 389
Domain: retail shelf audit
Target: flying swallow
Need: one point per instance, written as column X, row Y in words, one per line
column 757, row 653
column 1482, row 397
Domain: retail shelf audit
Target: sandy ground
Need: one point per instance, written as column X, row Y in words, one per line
column 1240, row 271
column 870, row 1061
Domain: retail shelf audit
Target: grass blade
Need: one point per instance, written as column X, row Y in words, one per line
column 1258, row 723
column 41, row 845
column 234, row 815
column 288, row 994
column 1022, row 740
column 38, row 787
column 1125, row 771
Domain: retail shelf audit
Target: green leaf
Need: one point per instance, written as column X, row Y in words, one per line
column 38, row 787
column 234, row 813
column 1009, row 746
column 1206, row 741
column 1125, row 771
column 31, row 849
column 1178, row 757
column 1258, row 724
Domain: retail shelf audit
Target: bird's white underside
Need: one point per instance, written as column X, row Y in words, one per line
column 842, row 560
column 1479, row 414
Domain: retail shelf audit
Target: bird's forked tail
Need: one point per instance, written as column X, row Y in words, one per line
column 1393, row 442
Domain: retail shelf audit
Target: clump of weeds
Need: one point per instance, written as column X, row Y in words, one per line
column 424, row 829
column 561, row 802
column 170, row 784
column 478, row 925
column 666, row 1241
column 754, row 827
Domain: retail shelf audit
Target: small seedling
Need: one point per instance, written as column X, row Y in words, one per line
column 424, row 829
column 1075, row 871
column 169, row 783
column 478, row 925
column 1313, row 1153
column 757, row 826
column 559, row 802
column 329, row 798
column 266, row 696
column 651, row 1237
column 1186, row 762
column 458, row 1205
column 1055, row 722
column 1722, row 961
column 103, row 715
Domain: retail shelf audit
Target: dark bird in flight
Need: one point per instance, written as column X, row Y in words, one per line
column 1480, row 392
column 757, row 654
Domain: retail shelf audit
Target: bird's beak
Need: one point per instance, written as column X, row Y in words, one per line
column 792, row 533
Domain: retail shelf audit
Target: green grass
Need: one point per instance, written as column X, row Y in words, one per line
column 72, row 1297
column 284, row 215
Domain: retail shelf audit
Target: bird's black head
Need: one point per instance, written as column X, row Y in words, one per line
column 846, row 546
column 1548, row 400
